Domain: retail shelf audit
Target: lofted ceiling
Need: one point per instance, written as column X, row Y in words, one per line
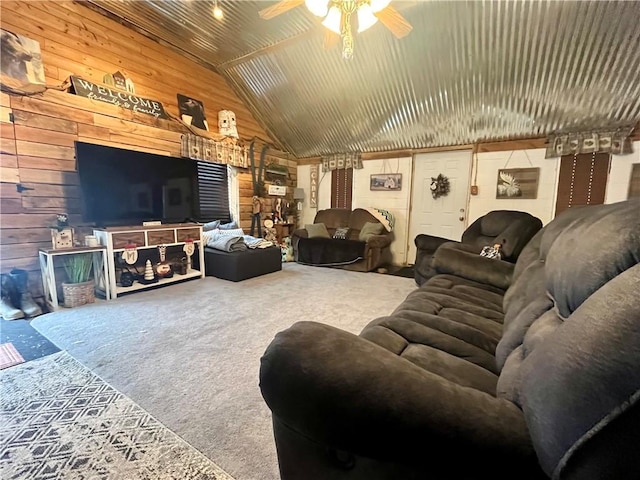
column 468, row 72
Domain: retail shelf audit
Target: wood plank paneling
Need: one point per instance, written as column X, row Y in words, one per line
column 40, row 153
column 45, row 122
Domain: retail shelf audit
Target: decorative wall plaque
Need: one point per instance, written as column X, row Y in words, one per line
column 117, row 97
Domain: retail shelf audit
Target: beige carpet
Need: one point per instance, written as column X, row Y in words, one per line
column 189, row 354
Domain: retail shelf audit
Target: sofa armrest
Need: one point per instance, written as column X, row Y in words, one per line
column 300, row 233
column 472, row 266
column 429, row 243
column 341, row 390
column 379, row 241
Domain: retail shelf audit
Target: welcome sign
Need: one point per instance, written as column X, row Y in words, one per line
column 117, row 97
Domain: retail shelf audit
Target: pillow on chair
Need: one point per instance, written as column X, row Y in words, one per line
column 317, row 230
column 369, row 230
column 341, row 233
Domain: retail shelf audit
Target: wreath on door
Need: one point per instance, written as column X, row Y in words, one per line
column 440, row 186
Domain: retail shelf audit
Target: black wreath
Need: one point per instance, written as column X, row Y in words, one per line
column 439, row 186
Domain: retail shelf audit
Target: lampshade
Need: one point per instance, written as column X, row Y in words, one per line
column 298, row 193
column 317, row 7
column 366, row 18
column 377, row 5
column 333, row 20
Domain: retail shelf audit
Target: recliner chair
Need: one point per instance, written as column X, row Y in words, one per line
column 511, row 229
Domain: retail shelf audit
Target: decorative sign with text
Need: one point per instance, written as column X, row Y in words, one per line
column 116, row 97
column 313, row 196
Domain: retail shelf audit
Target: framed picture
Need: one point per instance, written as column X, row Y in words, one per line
column 517, row 183
column 21, row 59
column 386, row 181
column 192, row 112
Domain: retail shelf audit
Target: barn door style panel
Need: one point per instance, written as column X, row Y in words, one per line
column 583, row 180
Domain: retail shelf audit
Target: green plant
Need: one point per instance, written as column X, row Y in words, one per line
column 78, row 267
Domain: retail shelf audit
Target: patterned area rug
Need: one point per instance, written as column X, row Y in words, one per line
column 60, row 421
column 9, row 356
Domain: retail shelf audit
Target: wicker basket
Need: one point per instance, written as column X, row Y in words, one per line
column 76, row 294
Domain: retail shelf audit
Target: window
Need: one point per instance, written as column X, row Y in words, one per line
column 213, row 191
column 583, row 180
column 341, row 188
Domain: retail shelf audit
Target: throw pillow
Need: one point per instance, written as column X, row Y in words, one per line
column 341, row 233
column 317, row 230
column 210, row 226
column 369, row 230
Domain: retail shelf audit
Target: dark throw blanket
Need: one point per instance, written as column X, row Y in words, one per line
column 327, row 252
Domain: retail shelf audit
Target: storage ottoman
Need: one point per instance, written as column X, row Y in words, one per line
column 237, row 266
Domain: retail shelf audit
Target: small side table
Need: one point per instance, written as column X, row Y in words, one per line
column 48, row 269
column 282, row 230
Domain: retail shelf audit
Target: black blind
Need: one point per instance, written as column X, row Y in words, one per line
column 341, row 188
column 213, row 191
column 582, row 180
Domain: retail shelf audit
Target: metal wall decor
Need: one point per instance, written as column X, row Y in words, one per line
column 616, row 142
column 340, row 161
column 207, row 150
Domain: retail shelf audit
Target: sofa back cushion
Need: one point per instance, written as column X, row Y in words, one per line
column 357, row 220
column 333, row 218
column 570, row 351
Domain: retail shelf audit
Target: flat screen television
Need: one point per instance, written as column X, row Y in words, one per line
column 126, row 187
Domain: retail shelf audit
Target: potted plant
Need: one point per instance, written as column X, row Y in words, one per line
column 81, row 288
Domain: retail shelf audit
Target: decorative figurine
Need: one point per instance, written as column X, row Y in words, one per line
column 188, row 249
column 227, row 123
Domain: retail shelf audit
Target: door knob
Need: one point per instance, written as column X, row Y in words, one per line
column 461, row 219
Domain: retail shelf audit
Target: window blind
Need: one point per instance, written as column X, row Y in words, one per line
column 582, row 180
column 341, row 188
column 213, row 191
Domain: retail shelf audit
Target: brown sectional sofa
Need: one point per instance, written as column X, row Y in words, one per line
column 488, row 370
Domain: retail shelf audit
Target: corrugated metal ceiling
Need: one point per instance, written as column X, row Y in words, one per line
column 468, row 72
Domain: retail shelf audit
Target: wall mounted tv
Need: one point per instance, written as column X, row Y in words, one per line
column 126, row 187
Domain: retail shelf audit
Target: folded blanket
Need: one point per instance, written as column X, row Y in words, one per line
column 226, row 243
column 255, row 242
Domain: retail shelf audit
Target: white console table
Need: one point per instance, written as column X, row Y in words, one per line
column 149, row 237
column 48, row 270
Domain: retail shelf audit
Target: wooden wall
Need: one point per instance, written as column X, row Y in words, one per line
column 38, row 132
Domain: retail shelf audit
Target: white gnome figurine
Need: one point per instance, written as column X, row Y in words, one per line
column 227, row 123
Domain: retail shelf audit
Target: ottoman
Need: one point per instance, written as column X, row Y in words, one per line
column 237, row 266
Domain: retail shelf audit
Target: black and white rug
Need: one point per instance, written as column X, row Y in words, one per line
column 60, row 421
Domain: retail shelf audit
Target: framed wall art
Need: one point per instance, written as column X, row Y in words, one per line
column 386, row 181
column 517, row 183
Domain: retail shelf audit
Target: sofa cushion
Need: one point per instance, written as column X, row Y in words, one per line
column 333, row 217
column 370, row 229
column 315, row 230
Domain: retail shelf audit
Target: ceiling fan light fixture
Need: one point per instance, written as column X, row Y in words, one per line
column 366, row 18
column 217, row 11
column 333, row 20
column 377, row 5
column 318, row 7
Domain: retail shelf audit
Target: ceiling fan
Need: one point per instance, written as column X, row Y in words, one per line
column 338, row 18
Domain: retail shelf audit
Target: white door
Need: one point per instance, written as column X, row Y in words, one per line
column 445, row 216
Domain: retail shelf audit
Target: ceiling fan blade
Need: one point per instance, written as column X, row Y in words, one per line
column 395, row 22
column 330, row 39
column 280, row 7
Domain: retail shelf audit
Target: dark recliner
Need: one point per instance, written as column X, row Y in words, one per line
column 509, row 228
